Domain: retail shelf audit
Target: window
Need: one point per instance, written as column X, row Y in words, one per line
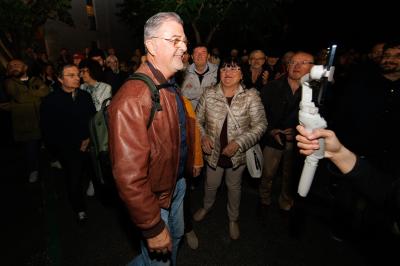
column 90, row 14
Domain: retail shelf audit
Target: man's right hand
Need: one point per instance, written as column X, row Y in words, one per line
column 161, row 243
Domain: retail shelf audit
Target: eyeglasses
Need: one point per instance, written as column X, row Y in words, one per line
column 391, row 56
column 258, row 58
column 72, row 75
column 231, row 68
column 300, row 63
column 174, row 41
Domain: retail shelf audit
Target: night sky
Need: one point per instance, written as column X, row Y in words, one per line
column 347, row 23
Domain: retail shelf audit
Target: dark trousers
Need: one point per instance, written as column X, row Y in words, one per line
column 32, row 149
column 75, row 164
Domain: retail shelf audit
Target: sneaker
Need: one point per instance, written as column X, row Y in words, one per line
column 90, row 189
column 82, row 216
column 33, row 176
column 234, row 231
column 200, row 214
column 56, row 164
column 191, row 240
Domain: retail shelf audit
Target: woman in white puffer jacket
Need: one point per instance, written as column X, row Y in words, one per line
column 223, row 143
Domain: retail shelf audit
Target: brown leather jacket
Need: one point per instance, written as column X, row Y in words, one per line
column 145, row 161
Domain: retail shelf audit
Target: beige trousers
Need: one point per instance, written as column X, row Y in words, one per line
column 233, row 180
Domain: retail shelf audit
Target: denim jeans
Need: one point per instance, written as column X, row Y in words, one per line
column 173, row 218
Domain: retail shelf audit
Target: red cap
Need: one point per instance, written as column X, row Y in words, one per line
column 78, row 56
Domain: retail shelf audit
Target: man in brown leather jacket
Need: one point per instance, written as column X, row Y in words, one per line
column 148, row 163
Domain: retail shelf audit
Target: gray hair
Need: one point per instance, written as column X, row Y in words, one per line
column 111, row 57
column 154, row 23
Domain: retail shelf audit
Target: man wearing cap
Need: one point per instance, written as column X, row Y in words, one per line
column 77, row 58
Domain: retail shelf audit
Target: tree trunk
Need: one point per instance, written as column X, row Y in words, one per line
column 211, row 34
column 196, row 32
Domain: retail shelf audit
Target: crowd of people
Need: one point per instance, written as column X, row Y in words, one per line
column 213, row 108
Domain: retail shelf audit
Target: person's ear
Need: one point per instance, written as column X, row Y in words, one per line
column 151, row 46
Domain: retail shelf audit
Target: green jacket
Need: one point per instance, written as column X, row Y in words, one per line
column 25, row 103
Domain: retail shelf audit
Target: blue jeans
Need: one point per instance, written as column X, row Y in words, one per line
column 173, row 218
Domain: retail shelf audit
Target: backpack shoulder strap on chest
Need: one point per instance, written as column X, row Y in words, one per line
column 155, row 95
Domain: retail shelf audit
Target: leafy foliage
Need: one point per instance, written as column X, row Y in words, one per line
column 210, row 21
column 21, row 19
column 18, row 14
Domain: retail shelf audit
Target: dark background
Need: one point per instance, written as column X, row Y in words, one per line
column 314, row 24
column 351, row 24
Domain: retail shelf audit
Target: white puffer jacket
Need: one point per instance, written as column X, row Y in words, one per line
column 248, row 111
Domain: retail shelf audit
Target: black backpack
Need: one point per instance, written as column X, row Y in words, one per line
column 98, row 129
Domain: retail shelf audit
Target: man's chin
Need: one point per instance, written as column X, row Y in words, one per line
column 16, row 74
column 387, row 70
column 179, row 67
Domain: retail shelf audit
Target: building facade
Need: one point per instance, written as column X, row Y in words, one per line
column 96, row 23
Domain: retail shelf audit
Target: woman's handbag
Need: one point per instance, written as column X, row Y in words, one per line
column 254, row 161
column 254, row 155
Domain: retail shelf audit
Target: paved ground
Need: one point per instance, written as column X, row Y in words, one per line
column 39, row 229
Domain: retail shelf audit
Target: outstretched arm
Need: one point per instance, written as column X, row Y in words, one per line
column 378, row 186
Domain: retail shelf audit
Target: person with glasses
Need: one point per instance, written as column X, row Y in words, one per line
column 368, row 109
column 224, row 144
column 113, row 74
column 256, row 74
column 149, row 163
column 281, row 100
column 65, row 116
column 91, row 74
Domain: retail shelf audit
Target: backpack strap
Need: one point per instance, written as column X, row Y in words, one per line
column 155, row 95
column 103, row 109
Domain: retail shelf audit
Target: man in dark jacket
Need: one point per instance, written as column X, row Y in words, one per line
column 281, row 100
column 65, row 116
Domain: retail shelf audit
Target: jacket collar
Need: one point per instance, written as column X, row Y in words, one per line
column 218, row 88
